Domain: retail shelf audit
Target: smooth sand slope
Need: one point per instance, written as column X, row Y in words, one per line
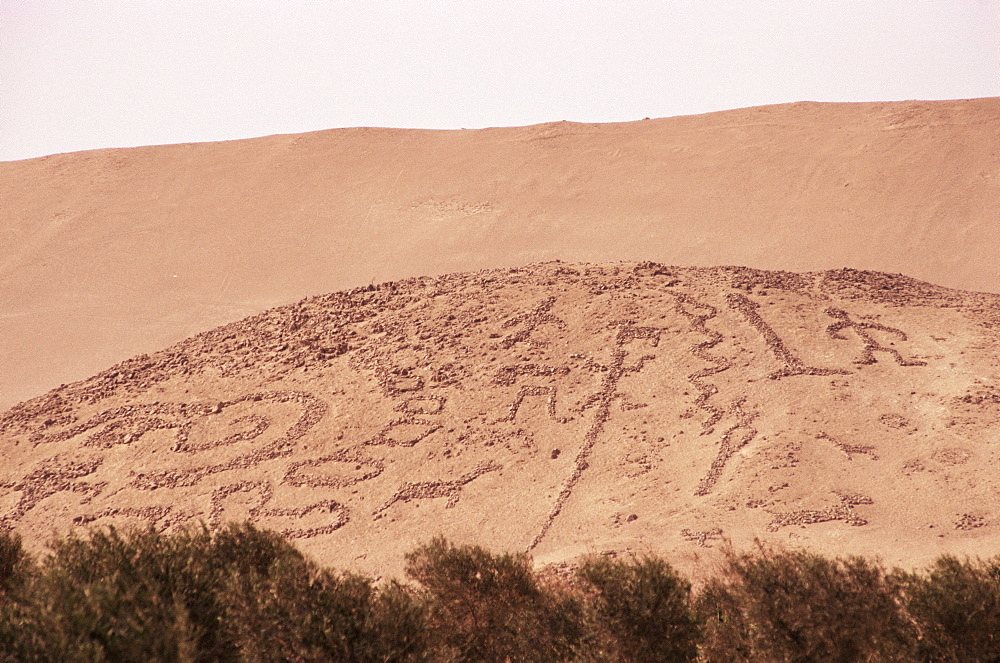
column 562, row 409
column 110, row 253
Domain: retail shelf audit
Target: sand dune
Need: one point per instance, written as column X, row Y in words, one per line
column 560, row 408
column 110, row 253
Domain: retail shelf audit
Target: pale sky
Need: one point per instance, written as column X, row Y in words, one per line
column 83, row 74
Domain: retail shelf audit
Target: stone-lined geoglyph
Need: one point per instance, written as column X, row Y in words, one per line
column 539, row 405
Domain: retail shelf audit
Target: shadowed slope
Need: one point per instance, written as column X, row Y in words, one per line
column 109, row 253
column 559, row 408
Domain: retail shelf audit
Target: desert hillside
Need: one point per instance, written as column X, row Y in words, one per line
column 560, row 408
column 107, row 254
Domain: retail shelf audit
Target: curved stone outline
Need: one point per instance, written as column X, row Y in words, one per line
column 331, row 506
column 381, row 437
column 294, row 477
column 257, row 512
column 262, row 424
column 314, row 409
column 51, row 476
column 407, row 406
column 222, row 492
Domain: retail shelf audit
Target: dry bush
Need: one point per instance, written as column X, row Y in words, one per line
column 641, row 611
column 137, row 595
column 243, row 594
column 956, row 606
column 16, row 566
column 800, row 606
column 486, row 607
column 298, row 612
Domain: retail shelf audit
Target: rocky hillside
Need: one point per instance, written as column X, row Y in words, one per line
column 558, row 408
column 111, row 253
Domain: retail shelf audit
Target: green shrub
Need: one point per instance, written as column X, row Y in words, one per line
column 800, row 606
column 243, row 594
column 298, row 612
column 138, row 596
column 956, row 606
column 486, row 607
column 15, row 564
column 643, row 609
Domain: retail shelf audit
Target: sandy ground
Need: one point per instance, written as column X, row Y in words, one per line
column 562, row 409
column 107, row 254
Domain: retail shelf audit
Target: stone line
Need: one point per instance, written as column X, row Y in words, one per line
column 701, row 350
column 602, row 400
column 727, row 446
column 793, row 365
column 163, row 516
column 382, row 437
column 508, row 375
column 540, row 314
column 532, row 391
column 871, row 345
column 702, row 537
column 432, row 489
column 849, row 448
column 843, row 511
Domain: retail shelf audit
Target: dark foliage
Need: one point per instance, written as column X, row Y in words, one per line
column 487, row 607
column 15, row 565
column 956, row 606
column 642, row 609
column 298, row 612
column 800, row 606
column 242, row 594
column 142, row 596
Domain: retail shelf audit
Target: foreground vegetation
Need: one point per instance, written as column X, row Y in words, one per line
column 243, row 594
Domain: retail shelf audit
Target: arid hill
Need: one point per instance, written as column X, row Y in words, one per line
column 559, row 408
column 107, row 254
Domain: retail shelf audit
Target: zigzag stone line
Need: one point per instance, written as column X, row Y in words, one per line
column 701, row 350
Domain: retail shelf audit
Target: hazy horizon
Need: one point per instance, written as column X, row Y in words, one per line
column 116, row 74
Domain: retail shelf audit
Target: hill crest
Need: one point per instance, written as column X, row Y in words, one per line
column 559, row 408
column 105, row 255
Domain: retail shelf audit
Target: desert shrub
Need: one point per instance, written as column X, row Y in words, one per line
column 299, row 612
column 642, row 610
column 800, row 606
column 21, row 631
column 487, row 607
column 956, row 605
column 140, row 595
column 16, row 566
